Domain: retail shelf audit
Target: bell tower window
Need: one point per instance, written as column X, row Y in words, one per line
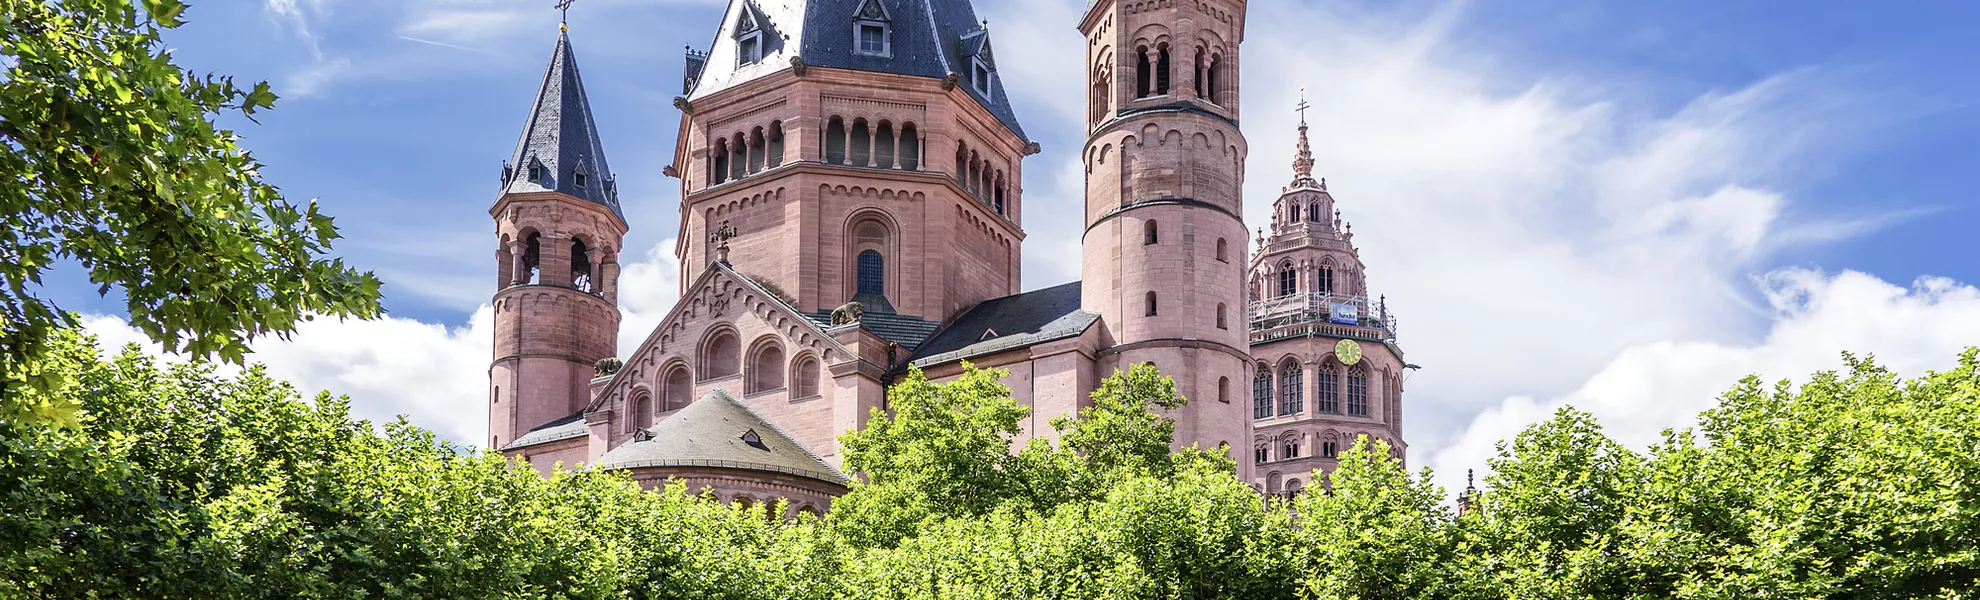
column 872, row 273
column 981, row 79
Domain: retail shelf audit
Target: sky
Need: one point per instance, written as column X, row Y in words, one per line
column 1622, row 207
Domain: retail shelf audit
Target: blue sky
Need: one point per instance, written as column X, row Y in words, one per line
column 1569, row 202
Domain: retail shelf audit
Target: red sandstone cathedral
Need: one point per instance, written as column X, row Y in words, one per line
column 852, row 205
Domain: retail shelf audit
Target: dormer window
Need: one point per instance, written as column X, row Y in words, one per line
column 577, row 177
column 872, row 37
column 980, row 79
column 749, row 49
column 535, row 173
column 872, row 34
column 751, row 438
column 749, row 38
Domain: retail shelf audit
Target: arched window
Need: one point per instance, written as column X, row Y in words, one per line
column 640, row 410
column 1000, row 192
column 1151, row 304
column 1357, row 391
column 1330, row 447
column 1261, row 393
column 1142, row 72
column 1222, row 255
column 883, row 146
column 804, row 378
column 677, row 390
column 1315, row 214
column 1324, row 282
column 910, row 148
column 1294, row 487
column 1330, row 391
column 1288, row 280
column 1289, row 447
column 1162, row 70
column 1292, row 397
column 1262, row 454
column 532, row 259
column 835, row 141
column 738, row 157
column 774, row 156
column 872, row 273
column 1222, row 323
column 1272, row 482
column 1224, row 390
column 756, row 149
column 862, row 144
column 766, row 369
column 1149, row 235
column 721, row 355
column 580, row 266
column 1292, row 212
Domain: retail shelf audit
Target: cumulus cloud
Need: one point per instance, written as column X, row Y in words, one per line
column 1648, row 388
column 435, row 374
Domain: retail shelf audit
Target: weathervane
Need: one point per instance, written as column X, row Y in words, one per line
column 564, row 6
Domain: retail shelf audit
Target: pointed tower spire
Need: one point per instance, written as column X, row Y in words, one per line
column 1303, row 161
column 560, row 150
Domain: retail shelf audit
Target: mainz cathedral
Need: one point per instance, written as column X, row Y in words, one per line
column 853, row 205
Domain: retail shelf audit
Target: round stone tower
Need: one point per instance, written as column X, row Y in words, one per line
column 559, row 228
column 1164, row 260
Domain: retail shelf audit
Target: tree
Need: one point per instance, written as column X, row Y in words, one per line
column 112, row 162
column 1374, row 531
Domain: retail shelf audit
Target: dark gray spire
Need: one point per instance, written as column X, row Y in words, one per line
column 559, row 150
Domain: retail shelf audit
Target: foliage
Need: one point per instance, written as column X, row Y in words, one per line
column 183, row 482
column 112, row 162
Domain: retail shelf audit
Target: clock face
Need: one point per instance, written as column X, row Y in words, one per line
column 1348, row 351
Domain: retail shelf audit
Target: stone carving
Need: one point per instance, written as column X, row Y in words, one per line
column 607, row 366
column 848, row 314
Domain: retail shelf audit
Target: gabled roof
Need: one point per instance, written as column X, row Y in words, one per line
column 561, row 137
column 1026, row 319
column 930, row 38
column 712, row 432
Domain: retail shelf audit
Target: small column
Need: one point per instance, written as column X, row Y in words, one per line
column 518, row 265
column 896, row 157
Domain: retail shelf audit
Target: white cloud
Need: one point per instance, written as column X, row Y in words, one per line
column 468, row 26
column 1648, row 388
column 434, row 374
column 647, row 291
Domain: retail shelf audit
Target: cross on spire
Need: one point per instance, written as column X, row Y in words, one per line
column 1301, row 108
column 564, row 6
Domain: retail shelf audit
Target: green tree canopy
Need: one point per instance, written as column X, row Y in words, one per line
column 113, row 163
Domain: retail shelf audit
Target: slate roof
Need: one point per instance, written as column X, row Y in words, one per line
column 561, row 137
column 907, row 330
column 930, row 38
column 560, row 429
column 1025, row 319
column 710, row 433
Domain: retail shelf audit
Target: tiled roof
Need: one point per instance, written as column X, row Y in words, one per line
column 561, row 138
column 928, row 40
column 1009, row 322
column 713, row 432
column 560, row 429
column 907, row 330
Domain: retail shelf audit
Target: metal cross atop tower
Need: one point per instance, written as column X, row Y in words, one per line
column 564, row 6
column 1301, row 108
